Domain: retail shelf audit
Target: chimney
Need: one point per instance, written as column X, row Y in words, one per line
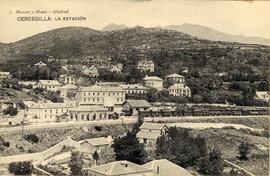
column 157, row 169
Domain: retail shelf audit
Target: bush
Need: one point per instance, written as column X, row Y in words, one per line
column 229, row 128
column 11, row 111
column 97, row 128
column 6, row 144
column 244, row 150
column 32, row 138
column 20, row 168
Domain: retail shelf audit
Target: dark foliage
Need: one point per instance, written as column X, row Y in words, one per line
column 20, row 168
column 31, row 138
column 128, row 148
column 244, row 150
column 12, row 111
column 76, row 163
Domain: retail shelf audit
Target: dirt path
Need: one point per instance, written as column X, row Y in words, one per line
column 210, row 125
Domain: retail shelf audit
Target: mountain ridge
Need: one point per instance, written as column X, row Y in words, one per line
column 208, row 33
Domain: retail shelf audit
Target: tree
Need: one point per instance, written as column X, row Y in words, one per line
column 129, row 148
column 20, row 168
column 216, row 161
column 180, row 147
column 96, row 156
column 76, row 163
column 11, row 110
column 244, row 150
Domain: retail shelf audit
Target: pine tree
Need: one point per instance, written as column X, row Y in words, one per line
column 76, row 163
column 129, row 148
column 244, row 150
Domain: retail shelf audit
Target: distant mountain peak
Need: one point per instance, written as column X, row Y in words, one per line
column 208, row 33
column 114, row 27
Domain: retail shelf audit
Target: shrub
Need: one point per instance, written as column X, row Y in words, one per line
column 97, row 128
column 244, row 150
column 20, row 168
column 10, row 110
column 6, row 144
column 32, row 138
column 76, row 163
column 229, row 128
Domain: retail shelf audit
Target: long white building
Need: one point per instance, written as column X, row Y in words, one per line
column 45, row 112
column 111, row 97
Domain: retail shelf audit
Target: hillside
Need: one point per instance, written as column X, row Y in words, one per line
column 211, row 34
column 114, row 27
column 244, row 65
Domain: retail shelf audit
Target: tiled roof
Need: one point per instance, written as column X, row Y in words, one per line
column 152, row 126
column 4, row 73
column 89, row 109
column 164, row 167
column 119, row 168
column 138, row 103
column 69, row 86
column 100, row 141
column 96, row 88
column 49, row 82
column 153, row 78
column 148, row 135
column 174, row 75
column 133, row 86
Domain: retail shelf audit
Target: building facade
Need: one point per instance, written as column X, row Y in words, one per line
column 90, row 113
column 90, row 71
column 40, row 64
column 110, row 97
column 175, row 78
column 68, row 91
column 149, row 132
column 5, row 75
column 67, row 79
column 132, row 107
column 89, row 146
column 45, row 112
column 153, row 82
column 262, row 95
column 134, row 89
column 51, row 85
column 180, row 89
column 146, row 65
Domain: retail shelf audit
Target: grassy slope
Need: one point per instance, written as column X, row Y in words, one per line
column 229, row 139
column 50, row 137
column 14, row 95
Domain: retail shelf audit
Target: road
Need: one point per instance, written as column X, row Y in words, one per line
column 126, row 120
column 65, row 124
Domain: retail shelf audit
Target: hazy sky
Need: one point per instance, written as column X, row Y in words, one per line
column 235, row 17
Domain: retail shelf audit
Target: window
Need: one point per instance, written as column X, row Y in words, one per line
column 145, row 141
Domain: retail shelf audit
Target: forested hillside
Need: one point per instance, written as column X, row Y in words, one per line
column 223, row 70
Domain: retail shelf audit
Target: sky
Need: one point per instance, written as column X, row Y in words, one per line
column 234, row 17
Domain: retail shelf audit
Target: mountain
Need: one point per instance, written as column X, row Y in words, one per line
column 114, row 27
column 77, row 44
column 211, row 34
